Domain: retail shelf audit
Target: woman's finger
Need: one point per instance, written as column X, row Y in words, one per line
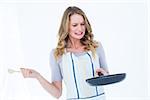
column 25, row 72
column 101, row 71
column 29, row 73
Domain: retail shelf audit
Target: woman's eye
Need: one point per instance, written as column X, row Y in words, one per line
column 74, row 25
column 83, row 24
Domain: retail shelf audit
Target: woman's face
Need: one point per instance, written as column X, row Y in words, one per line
column 76, row 26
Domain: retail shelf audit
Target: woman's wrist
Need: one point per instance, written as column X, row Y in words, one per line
column 38, row 76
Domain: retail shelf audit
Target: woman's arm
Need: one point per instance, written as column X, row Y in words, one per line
column 54, row 88
column 103, row 69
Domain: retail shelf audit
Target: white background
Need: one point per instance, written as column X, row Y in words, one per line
column 28, row 32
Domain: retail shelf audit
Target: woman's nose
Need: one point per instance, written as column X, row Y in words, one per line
column 80, row 28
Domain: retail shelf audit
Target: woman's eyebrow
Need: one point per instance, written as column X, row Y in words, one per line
column 78, row 22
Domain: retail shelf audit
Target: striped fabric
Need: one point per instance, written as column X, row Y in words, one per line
column 76, row 69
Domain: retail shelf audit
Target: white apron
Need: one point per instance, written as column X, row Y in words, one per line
column 75, row 70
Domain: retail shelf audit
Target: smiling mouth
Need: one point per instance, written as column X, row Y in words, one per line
column 80, row 33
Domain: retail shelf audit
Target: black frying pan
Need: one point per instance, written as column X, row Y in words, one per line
column 106, row 79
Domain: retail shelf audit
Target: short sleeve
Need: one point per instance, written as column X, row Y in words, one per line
column 55, row 68
column 101, row 55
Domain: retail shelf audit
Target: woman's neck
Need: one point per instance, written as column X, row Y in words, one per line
column 74, row 44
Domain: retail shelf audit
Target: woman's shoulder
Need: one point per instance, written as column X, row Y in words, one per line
column 99, row 49
column 99, row 45
column 52, row 51
column 52, row 55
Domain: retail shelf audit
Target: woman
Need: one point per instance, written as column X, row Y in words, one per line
column 76, row 58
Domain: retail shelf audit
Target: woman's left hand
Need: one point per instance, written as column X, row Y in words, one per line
column 101, row 71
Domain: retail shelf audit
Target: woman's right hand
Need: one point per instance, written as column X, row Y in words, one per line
column 29, row 73
column 54, row 88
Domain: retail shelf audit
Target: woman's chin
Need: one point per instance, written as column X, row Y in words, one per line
column 79, row 38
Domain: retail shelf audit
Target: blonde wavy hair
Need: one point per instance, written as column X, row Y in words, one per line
column 63, row 37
